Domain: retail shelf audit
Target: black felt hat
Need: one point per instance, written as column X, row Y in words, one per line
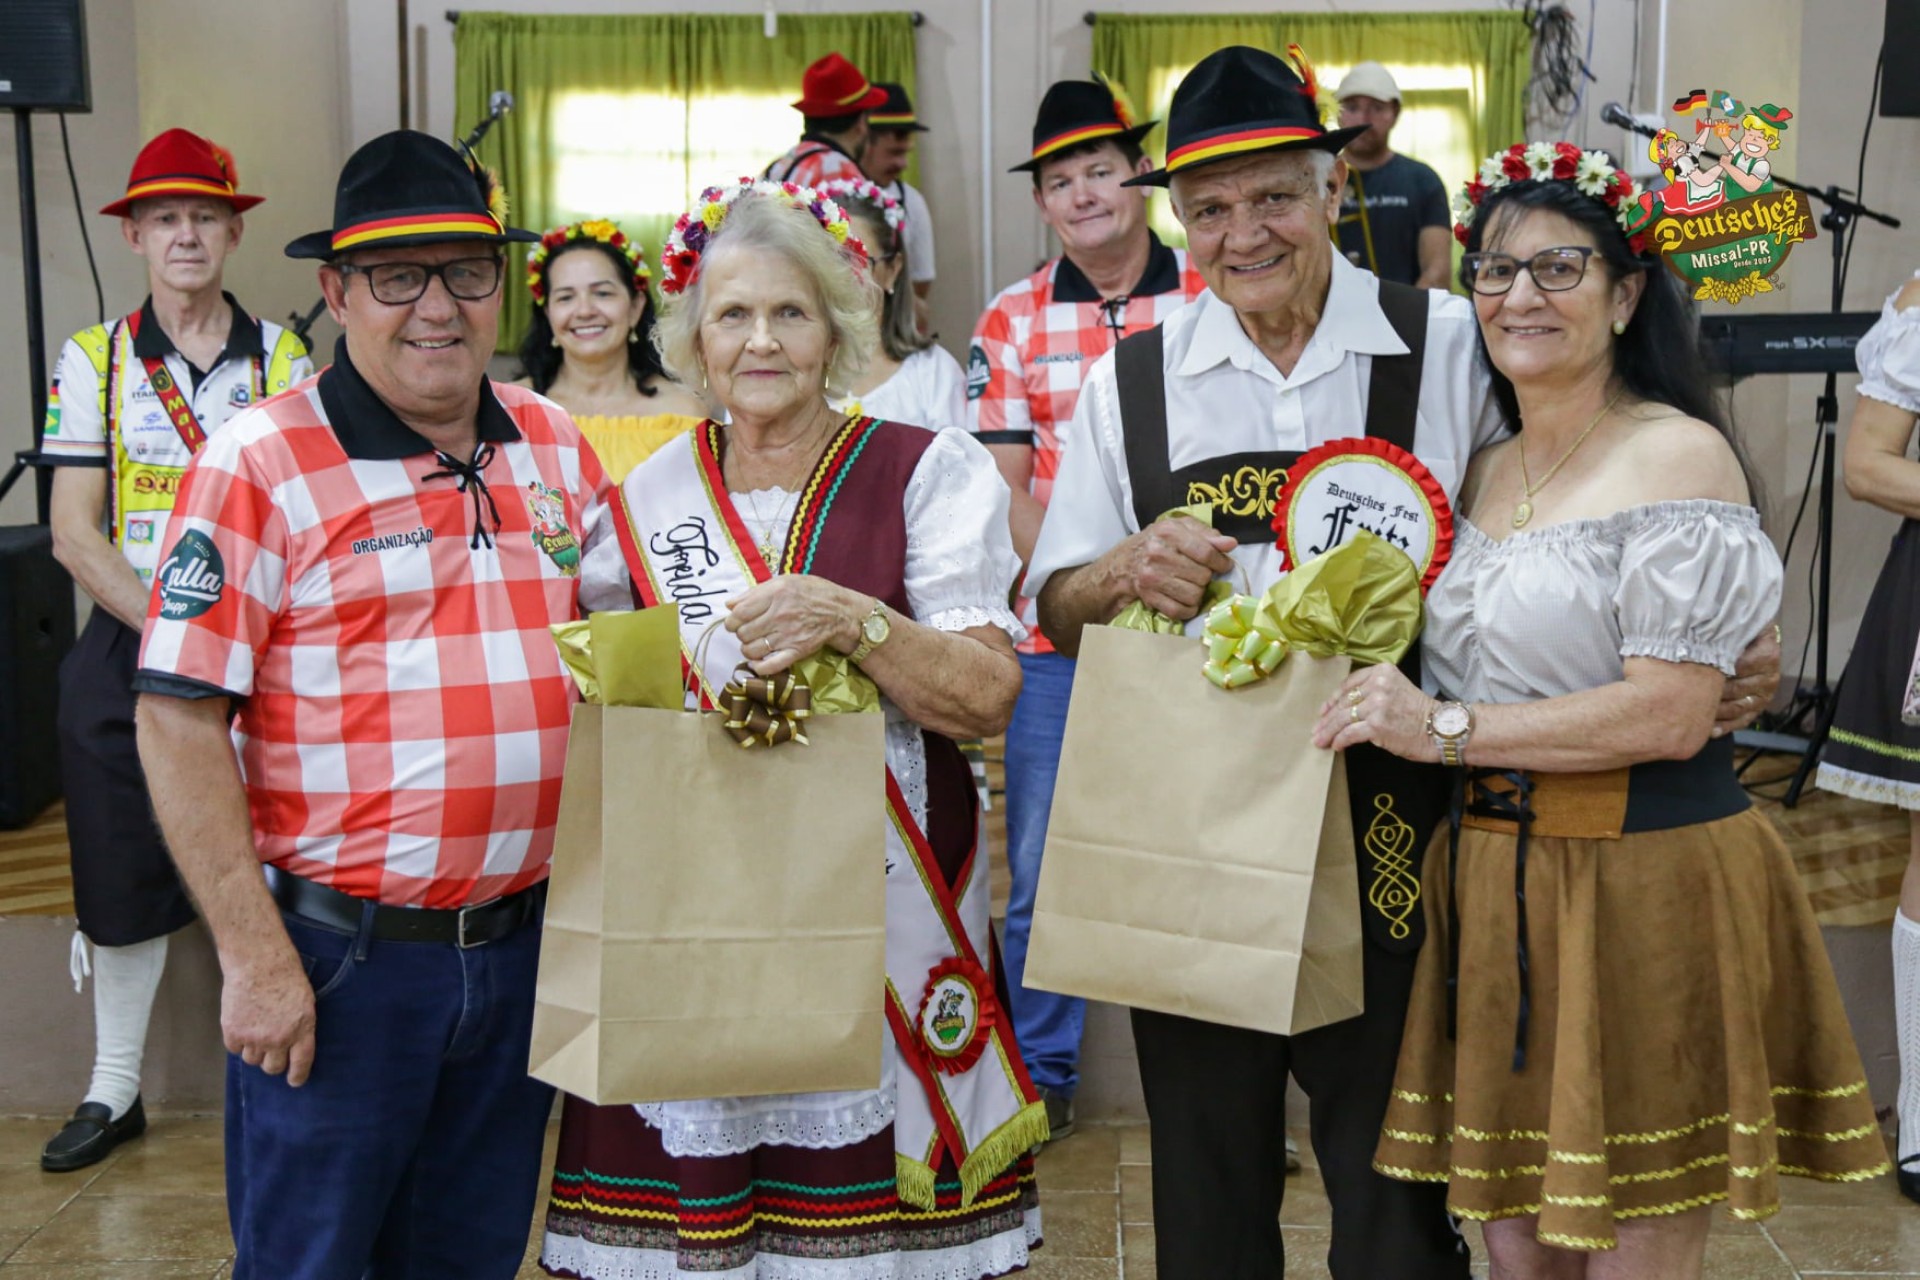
column 896, row 112
column 1076, row 112
column 1237, row 101
column 407, row 188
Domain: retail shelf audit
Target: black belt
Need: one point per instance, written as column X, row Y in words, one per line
column 1661, row 795
column 469, row 926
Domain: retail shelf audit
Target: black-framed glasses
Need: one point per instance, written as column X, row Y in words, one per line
column 1553, row 270
column 398, row 283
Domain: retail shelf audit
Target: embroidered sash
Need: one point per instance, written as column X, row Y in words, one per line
column 685, row 543
column 173, row 399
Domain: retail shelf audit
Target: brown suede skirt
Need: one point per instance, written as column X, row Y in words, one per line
column 1682, row 1041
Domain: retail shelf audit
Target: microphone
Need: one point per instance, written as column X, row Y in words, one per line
column 499, row 102
column 1614, row 114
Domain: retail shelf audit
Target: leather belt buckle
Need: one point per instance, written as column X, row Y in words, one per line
column 460, row 939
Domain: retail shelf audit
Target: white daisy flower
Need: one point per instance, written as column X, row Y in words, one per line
column 1491, row 172
column 1540, row 157
column 1591, row 177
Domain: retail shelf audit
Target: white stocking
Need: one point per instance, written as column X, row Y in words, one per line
column 124, row 982
column 1906, row 1011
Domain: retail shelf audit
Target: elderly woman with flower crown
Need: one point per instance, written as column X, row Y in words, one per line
column 1623, row 1013
column 589, row 346
column 888, row 544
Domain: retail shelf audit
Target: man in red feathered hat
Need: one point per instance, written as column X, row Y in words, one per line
column 131, row 403
column 835, row 97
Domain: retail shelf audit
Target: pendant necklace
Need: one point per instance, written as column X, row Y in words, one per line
column 1524, row 512
column 766, row 530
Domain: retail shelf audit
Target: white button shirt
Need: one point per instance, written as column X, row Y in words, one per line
column 1224, row 397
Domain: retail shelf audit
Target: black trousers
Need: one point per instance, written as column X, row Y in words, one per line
column 125, row 888
column 1216, row 1097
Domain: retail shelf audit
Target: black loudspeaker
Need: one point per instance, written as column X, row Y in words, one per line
column 36, row 630
column 1899, row 87
column 43, row 55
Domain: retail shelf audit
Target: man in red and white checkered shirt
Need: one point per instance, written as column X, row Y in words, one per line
column 835, row 97
column 365, row 569
column 1030, row 353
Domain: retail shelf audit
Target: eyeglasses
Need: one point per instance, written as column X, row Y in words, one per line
column 398, row 283
column 1553, row 270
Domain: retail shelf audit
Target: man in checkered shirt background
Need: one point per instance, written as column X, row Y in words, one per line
column 1030, row 353
column 363, row 572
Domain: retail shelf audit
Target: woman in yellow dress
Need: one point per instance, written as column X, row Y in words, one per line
column 590, row 346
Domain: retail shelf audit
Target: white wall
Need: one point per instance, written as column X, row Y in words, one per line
column 299, row 83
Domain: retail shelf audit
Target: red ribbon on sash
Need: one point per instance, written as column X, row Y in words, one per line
column 172, row 399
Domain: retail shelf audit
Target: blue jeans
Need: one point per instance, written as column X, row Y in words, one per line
column 1048, row 1026
column 413, row 1150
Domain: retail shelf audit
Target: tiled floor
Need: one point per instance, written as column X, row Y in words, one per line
column 156, row 1211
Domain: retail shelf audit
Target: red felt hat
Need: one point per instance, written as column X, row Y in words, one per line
column 178, row 163
column 835, row 87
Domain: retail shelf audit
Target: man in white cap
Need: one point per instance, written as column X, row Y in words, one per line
column 1393, row 218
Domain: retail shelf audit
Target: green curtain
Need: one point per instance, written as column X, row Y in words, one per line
column 628, row 116
column 1463, row 76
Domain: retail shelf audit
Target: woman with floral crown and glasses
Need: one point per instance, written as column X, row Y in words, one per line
column 1623, row 1013
column 590, row 349
column 887, row 544
column 907, row 378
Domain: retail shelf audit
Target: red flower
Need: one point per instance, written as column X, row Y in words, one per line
column 1460, row 232
column 1476, row 190
column 1637, row 242
column 1514, row 165
column 1564, row 165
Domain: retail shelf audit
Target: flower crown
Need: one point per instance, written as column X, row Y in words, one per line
column 687, row 243
column 596, row 229
column 1591, row 173
column 843, row 189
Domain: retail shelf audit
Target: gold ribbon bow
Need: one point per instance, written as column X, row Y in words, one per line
column 1361, row 599
column 766, row 709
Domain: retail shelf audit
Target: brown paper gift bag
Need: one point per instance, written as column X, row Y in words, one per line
column 716, row 921
column 1199, row 856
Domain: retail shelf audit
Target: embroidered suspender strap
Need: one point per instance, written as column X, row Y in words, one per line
column 172, row 399
column 1393, row 390
column 1140, row 379
column 110, row 422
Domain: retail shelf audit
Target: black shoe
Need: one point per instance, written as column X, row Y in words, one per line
column 1059, row 1115
column 1908, row 1177
column 91, row 1136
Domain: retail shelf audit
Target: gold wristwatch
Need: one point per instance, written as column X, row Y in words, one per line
column 1450, row 725
column 874, row 630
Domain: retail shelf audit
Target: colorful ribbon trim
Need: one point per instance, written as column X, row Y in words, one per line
column 426, row 223
column 1233, row 143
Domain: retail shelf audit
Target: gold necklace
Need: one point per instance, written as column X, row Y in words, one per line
column 768, row 528
column 1524, row 512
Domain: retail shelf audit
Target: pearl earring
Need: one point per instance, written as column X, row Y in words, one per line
column 556, row 340
column 1619, row 327
column 633, row 336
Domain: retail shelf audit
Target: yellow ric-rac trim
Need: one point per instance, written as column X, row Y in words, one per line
column 1873, row 744
column 1843, row 1135
column 1490, row 1175
column 1857, row 1175
column 1840, row 1091
column 1421, row 1099
column 1581, row 1202
column 1408, row 1175
column 1678, row 1206
column 1577, row 1157
column 1404, row 1136
column 1704, row 1162
column 1497, row 1135
column 1591, row 1243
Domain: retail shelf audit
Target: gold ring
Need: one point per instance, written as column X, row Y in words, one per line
column 1776, row 633
column 1354, row 696
column 1353, row 713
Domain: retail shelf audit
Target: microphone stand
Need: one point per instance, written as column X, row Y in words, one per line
column 300, row 325
column 1802, row 728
